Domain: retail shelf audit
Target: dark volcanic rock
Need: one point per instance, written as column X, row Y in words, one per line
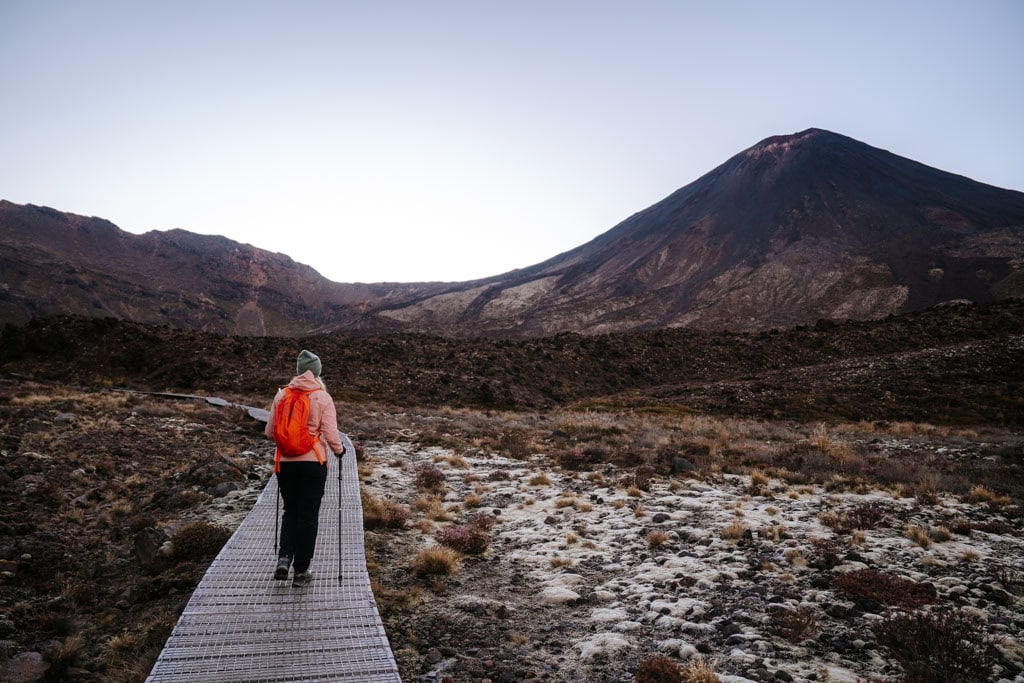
column 795, row 229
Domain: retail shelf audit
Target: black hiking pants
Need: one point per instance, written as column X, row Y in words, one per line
column 302, row 487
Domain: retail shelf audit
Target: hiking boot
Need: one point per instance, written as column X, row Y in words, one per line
column 302, row 578
column 281, row 573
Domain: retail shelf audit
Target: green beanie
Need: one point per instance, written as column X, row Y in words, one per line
column 308, row 361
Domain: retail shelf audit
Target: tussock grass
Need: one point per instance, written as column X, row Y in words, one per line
column 436, row 560
column 919, row 536
column 656, row 539
column 734, row 531
column 540, row 479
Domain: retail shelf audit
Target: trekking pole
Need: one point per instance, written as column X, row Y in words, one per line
column 339, row 510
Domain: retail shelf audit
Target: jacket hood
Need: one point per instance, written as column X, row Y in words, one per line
column 305, row 382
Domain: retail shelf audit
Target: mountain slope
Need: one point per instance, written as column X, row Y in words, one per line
column 59, row 263
column 796, row 228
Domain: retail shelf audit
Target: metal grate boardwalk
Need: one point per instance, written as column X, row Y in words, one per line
column 241, row 625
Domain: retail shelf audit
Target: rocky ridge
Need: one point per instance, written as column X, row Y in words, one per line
column 797, row 228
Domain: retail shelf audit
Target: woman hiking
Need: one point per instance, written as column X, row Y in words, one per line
column 304, row 424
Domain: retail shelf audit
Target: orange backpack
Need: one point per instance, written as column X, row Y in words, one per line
column 291, row 427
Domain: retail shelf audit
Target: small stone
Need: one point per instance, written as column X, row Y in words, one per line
column 1001, row 598
column 27, row 667
column 729, row 628
column 659, row 518
column 680, row 465
column 837, row 612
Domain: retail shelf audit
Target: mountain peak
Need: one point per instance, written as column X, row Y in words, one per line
column 796, row 228
column 782, row 146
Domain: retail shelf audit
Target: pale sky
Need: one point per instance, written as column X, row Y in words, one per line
column 415, row 141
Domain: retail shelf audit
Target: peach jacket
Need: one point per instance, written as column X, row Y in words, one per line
column 323, row 416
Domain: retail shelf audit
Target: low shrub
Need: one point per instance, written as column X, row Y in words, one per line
column 887, row 589
column 574, row 459
column 794, row 625
column 658, row 670
column 944, row 646
column 198, row 542
column 463, row 538
column 515, row 444
column 429, row 477
column 481, row 521
column 383, row 514
column 643, row 477
column 866, row 516
column 827, row 552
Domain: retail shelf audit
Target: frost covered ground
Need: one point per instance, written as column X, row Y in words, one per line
column 587, row 574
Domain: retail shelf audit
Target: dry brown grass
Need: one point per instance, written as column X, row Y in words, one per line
column 382, row 514
column 396, row 598
column 795, row 557
column 433, row 508
column 436, row 560
column 698, row 670
column 734, row 531
column 516, row 638
column 656, row 539
column 540, row 479
column 970, row 555
column 458, row 462
column 980, row 494
column 919, row 536
column 558, row 562
column 758, row 478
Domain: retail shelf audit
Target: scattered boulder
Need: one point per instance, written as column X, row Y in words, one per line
column 27, row 667
column 146, row 545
